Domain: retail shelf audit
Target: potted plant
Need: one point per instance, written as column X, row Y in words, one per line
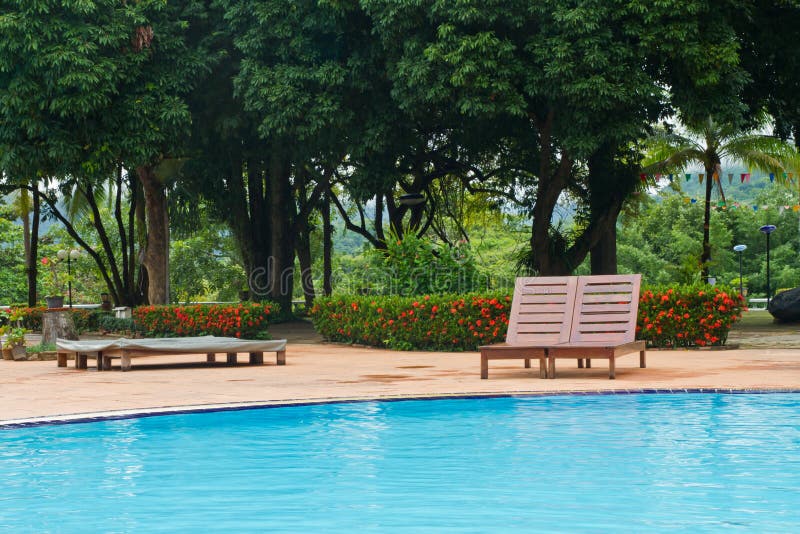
column 55, row 287
column 15, row 341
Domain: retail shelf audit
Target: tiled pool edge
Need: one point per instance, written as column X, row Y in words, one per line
column 93, row 417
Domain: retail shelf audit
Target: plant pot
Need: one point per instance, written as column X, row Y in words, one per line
column 55, row 302
column 7, row 354
column 18, row 352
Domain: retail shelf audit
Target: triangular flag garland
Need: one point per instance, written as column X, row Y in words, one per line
column 730, row 177
column 701, row 177
column 772, row 177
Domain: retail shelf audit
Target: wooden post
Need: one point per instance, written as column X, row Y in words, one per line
column 62, row 359
column 484, row 366
column 281, row 357
column 642, row 359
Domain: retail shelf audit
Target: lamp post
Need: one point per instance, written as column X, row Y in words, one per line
column 69, row 255
column 766, row 230
column 740, row 249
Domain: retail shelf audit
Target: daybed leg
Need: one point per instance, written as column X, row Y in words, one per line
column 256, row 358
column 100, row 362
column 106, row 363
column 642, row 362
column 527, row 363
column 231, row 358
column 542, row 368
column 211, row 357
column 80, row 360
column 62, row 359
column 611, row 368
column 281, row 357
column 125, row 362
column 580, row 363
column 484, row 366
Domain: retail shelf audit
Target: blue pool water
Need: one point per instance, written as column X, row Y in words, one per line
column 625, row 463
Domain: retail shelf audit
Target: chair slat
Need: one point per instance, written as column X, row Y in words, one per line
column 541, row 310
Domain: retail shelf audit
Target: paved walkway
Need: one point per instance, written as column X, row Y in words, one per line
column 317, row 372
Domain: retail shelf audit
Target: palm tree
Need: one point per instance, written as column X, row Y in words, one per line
column 709, row 144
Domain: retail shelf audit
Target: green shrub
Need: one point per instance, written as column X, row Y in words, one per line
column 247, row 320
column 430, row 322
column 108, row 322
column 31, row 318
column 42, row 347
column 416, row 266
column 685, row 316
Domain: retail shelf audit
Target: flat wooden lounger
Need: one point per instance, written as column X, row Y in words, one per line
column 540, row 317
column 126, row 349
column 603, row 322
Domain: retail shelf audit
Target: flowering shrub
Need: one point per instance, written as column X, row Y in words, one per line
column 437, row 322
column 668, row 317
column 687, row 316
column 247, row 320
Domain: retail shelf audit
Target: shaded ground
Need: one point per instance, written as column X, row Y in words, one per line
column 757, row 329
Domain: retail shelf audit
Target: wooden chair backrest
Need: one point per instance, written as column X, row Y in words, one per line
column 541, row 311
column 605, row 309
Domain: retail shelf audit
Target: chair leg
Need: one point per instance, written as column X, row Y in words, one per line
column 527, row 363
column 611, row 368
column 588, row 363
column 484, row 366
column 642, row 362
column 580, row 363
column 542, row 367
column 551, row 373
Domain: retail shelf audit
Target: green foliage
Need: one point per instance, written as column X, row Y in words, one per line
column 15, row 335
column 687, row 316
column 41, row 347
column 12, row 258
column 415, row 266
column 107, row 322
column 203, row 266
column 429, row 322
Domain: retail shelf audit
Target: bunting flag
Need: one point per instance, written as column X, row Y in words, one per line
column 730, row 177
column 701, row 177
column 785, row 176
column 670, row 178
column 780, row 210
column 694, row 201
column 755, row 208
column 795, row 208
column 715, row 177
column 643, row 177
column 685, row 200
column 772, row 177
column 688, row 177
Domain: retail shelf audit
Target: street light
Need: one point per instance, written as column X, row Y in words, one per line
column 69, row 255
column 766, row 230
column 740, row 249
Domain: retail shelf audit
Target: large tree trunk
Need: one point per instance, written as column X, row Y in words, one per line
column 32, row 247
column 156, row 255
column 605, row 195
column 282, row 207
column 327, row 242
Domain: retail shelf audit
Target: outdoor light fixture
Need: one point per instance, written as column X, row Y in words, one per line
column 69, row 255
column 740, row 249
column 766, row 230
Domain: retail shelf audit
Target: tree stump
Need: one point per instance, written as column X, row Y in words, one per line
column 57, row 324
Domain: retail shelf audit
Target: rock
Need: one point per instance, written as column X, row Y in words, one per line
column 785, row 306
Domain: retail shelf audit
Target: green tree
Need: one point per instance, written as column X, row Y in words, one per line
column 709, row 144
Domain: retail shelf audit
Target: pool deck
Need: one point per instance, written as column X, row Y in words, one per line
column 316, row 372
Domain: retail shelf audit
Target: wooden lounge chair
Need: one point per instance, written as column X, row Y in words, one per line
column 603, row 322
column 540, row 317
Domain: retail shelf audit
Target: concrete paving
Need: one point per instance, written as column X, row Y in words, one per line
column 316, row 372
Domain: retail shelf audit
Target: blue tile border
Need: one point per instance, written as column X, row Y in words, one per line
column 157, row 412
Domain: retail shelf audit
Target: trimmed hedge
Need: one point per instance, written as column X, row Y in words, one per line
column 32, row 318
column 247, row 320
column 668, row 317
column 688, row 316
column 430, row 322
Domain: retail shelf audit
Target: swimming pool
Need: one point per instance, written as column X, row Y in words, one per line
column 633, row 463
